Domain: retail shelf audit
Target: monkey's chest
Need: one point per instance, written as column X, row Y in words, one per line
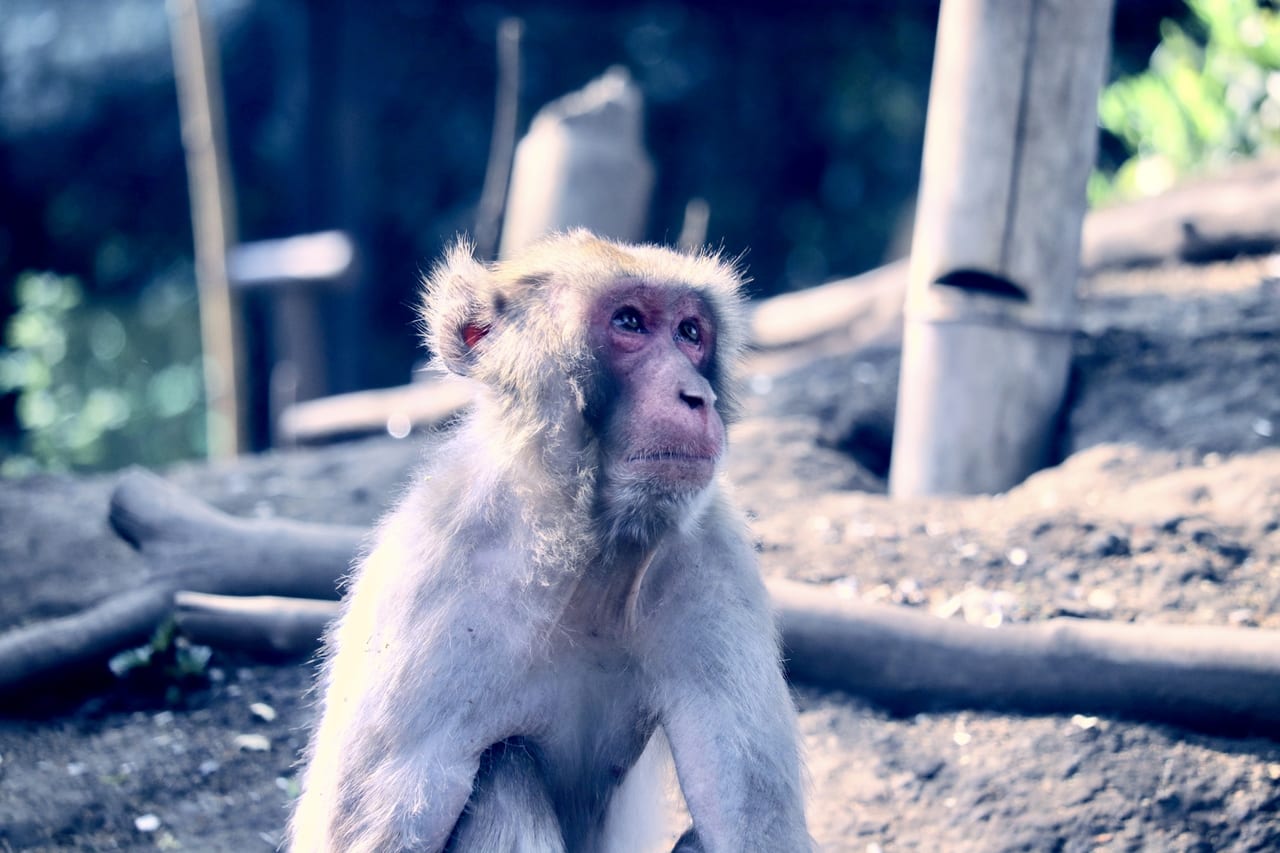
column 596, row 725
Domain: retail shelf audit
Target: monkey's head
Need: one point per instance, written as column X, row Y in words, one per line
column 609, row 363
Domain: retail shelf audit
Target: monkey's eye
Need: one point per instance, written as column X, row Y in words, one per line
column 690, row 331
column 628, row 319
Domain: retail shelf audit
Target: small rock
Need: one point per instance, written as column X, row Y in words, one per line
column 1068, row 609
column 1239, row 806
column 252, row 743
column 950, row 607
column 209, row 767
column 1102, row 599
column 290, row 786
column 146, row 823
column 263, row 711
column 1200, row 570
column 908, row 592
column 1241, row 616
column 1106, row 543
column 928, row 768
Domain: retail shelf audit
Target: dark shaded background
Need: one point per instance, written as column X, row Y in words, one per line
column 800, row 123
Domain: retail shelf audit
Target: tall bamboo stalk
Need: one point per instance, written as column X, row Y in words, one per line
column 200, row 106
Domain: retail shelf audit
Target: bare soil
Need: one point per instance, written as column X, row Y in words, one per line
column 1166, row 508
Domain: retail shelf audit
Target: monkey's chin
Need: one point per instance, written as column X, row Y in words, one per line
column 642, row 512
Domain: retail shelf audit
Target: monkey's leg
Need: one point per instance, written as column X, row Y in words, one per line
column 510, row 809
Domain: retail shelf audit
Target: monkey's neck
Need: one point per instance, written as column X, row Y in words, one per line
column 606, row 593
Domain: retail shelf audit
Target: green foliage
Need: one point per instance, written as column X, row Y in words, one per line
column 100, row 386
column 1211, row 93
column 169, row 662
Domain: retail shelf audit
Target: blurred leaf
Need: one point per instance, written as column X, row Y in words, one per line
column 1200, row 102
column 100, row 386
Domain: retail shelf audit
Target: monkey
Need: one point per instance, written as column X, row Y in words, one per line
column 566, row 585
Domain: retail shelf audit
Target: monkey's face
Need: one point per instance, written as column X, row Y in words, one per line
column 655, row 410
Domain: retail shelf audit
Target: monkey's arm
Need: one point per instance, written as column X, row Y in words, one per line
column 415, row 690
column 725, row 706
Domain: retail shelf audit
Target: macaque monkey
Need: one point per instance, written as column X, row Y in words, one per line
column 565, row 582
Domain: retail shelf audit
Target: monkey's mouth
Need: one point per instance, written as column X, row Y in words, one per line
column 672, row 456
column 673, row 468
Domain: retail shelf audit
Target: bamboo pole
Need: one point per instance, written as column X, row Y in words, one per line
column 493, row 197
column 1009, row 143
column 200, row 105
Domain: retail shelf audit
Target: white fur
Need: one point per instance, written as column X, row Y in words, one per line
column 641, row 815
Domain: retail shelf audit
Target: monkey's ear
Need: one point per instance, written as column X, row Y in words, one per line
column 458, row 308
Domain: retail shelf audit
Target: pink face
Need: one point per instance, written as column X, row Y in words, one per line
column 656, row 346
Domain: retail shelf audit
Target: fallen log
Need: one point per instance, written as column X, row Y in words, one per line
column 1224, row 680
column 189, row 546
column 1218, row 679
column 1234, row 211
column 42, row 652
column 275, row 624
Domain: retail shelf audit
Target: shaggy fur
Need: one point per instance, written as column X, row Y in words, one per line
column 534, row 614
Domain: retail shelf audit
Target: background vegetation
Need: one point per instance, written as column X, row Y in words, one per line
column 1210, row 94
column 802, row 127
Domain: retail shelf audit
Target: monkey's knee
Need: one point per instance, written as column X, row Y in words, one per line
column 510, row 809
column 688, row 843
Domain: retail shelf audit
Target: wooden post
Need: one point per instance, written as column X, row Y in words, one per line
column 582, row 163
column 1010, row 140
column 195, row 63
column 506, row 113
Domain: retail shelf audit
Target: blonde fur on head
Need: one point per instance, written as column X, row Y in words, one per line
column 567, row 271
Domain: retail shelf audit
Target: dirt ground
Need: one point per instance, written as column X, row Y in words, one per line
column 1166, row 509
